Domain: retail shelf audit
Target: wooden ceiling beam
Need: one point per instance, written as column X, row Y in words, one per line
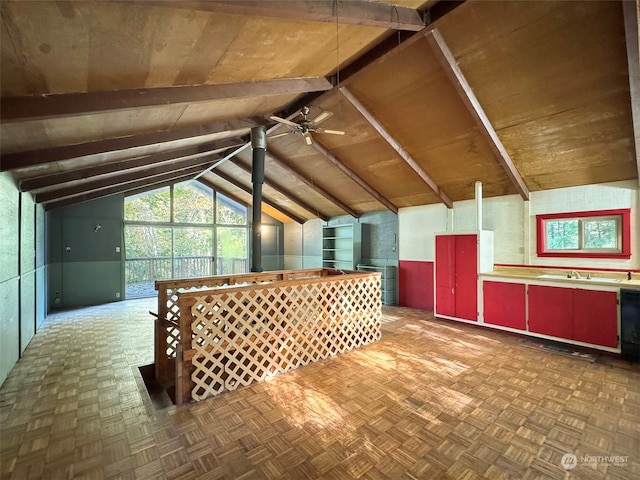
column 630, row 10
column 36, row 107
column 300, row 176
column 276, row 186
column 354, row 176
column 396, row 146
column 148, row 188
column 448, row 62
column 389, row 45
column 31, row 158
column 131, row 187
column 224, row 192
column 396, row 42
column 271, row 203
column 38, row 183
column 195, row 164
column 351, row 12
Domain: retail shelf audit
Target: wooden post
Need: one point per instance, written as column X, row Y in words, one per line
column 183, row 367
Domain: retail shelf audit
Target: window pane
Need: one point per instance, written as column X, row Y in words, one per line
column 229, row 212
column 148, row 255
column 192, row 203
column 232, row 250
column 148, row 207
column 193, row 252
column 561, row 234
column 600, row 233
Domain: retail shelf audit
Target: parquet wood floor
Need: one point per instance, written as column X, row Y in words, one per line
column 431, row 400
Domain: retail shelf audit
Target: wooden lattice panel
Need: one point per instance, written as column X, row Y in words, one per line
column 246, row 335
column 167, row 331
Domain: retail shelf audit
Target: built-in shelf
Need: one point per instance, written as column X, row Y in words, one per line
column 341, row 246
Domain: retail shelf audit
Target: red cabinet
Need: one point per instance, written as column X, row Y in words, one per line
column 589, row 316
column 505, row 304
column 445, row 275
column 595, row 317
column 456, row 276
column 551, row 311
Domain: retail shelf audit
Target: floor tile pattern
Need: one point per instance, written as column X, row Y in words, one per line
column 431, row 400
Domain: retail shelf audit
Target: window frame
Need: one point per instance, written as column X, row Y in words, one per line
column 624, row 234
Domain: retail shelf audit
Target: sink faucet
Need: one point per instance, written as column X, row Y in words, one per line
column 572, row 273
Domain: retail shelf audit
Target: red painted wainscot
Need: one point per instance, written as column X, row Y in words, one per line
column 416, row 284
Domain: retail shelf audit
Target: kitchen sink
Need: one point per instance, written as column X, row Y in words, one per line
column 581, row 279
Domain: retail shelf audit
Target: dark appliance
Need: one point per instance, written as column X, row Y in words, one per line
column 630, row 324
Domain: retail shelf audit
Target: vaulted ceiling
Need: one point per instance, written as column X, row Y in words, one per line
column 106, row 97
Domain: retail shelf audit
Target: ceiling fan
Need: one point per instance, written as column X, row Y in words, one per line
column 306, row 126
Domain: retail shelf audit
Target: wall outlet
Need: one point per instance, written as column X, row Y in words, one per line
column 117, row 249
column 117, row 294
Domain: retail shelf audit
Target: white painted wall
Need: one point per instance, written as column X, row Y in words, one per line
column 416, row 231
column 589, row 197
column 513, row 222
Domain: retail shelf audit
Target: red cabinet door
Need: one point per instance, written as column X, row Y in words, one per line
column 595, row 317
column 505, row 304
column 551, row 311
column 466, row 279
column 445, row 275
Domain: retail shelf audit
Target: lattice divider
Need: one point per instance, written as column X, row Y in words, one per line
column 246, row 335
column 173, row 316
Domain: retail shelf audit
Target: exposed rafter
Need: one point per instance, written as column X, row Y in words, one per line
column 33, row 107
column 448, row 61
column 30, row 158
column 397, row 147
column 351, row 174
column 124, row 188
column 223, row 191
column 390, row 45
column 300, row 176
column 269, row 202
column 37, row 183
column 630, row 10
column 272, row 184
column 175, row 168
column 353, row 12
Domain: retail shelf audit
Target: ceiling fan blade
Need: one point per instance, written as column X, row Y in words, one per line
column 333, row 132
column 279, row 134
column 322, row 117
column 284, row 121
column 308, row 139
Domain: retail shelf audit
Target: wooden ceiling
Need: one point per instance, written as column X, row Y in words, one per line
column 107, row 97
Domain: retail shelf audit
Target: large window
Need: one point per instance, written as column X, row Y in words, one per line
column 593, row 234
column 186, row 230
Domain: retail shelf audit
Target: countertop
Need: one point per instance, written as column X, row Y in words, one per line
column 544, row 275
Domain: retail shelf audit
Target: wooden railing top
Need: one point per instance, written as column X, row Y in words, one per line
column 325, row 275
column 271, row 276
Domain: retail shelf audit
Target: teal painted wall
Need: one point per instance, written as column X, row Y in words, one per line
column 85, row 267
column 272, row 243
column 22, row 272
column 303, row 243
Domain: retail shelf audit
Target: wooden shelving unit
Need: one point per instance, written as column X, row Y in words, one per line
column 388, row 281
column 341, row 246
